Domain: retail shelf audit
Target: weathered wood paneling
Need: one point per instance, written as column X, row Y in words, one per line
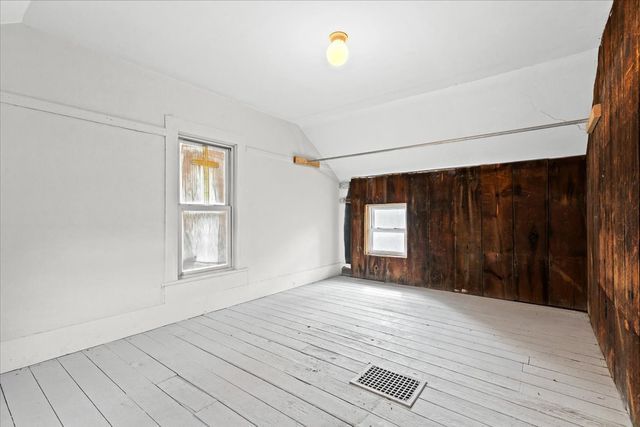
column 441, row 245
column 530, row 219
column 375, row 266
column 357, row 194
column 418, row 226
column 497, row 231
column 567, row 261
column 613, row 202
column 483, row 230
column 467, row 231
column 396, row 193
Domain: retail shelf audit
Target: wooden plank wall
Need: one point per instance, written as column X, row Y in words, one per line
column 613, row 200
column 494, row 230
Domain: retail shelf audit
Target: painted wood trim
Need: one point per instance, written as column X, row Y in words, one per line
column 177, row 127
column 78, row 113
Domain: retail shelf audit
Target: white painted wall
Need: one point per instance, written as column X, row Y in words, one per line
column 12, row 12
column 78, row 199
column 548, row 92
column 83, row 217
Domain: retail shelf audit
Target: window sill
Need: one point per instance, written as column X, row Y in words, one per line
column 387, row 255
column 208, row 275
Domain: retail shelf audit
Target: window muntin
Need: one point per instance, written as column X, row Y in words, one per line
column 386, row 233
column 205, row 208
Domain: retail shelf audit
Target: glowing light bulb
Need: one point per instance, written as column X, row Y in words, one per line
column 338, row 52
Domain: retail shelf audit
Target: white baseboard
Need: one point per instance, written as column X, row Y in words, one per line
column 181, row 302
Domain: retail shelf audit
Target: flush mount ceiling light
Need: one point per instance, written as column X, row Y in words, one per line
column 338, row 52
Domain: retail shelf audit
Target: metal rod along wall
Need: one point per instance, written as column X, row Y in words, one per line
column 460, row 139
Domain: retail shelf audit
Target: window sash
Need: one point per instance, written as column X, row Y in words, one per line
column 371, row 229
column 189, row 207
column 394, row 254
column 228, row 241
column 226, row 207
column 228, row 174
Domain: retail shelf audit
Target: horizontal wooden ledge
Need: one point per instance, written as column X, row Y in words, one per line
column 594, row 117
column 298, row 160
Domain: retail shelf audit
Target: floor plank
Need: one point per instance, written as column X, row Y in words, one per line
column 26, row 401
column 470, row 312
column 191, row 369
column 362, row 308
column 483, row 366
column 321, row 374
column 218, row 415
column 157, row 404
column 186, row 393
column 112, row 402
column 142, row 362
column 287, row 359
column 220, row 345
column 277, row 398
column 5, row 415
column 71, row 405
column 461, row 318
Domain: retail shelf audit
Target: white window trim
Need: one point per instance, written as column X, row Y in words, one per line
column 370, row 229
column 176, row 129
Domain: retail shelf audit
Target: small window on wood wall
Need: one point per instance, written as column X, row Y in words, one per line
column 386, row 230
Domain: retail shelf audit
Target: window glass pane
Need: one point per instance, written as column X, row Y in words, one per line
column 204, row 240
column 202, row 178
column 389, row 218
column 387, row 242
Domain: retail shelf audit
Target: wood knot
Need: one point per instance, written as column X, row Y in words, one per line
column 533, row 238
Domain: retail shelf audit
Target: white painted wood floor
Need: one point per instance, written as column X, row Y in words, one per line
column 287, row 359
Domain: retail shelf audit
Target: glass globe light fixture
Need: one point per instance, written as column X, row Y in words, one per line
column 338, row 52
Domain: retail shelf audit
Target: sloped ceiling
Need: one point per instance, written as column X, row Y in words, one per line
column 549, row 92
column 12, row 12
column 404, row 57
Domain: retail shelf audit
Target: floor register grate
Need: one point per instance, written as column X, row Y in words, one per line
column 397, row 387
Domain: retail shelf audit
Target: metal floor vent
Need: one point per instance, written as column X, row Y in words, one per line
column 394, row 386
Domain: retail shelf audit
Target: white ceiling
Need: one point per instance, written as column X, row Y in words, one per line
column 474, row 57
column 271, row 54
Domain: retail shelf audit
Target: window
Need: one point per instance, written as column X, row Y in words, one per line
column 205, row 206
column 386, row 230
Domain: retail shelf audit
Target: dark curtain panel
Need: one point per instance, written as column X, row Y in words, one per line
column 347, row 233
